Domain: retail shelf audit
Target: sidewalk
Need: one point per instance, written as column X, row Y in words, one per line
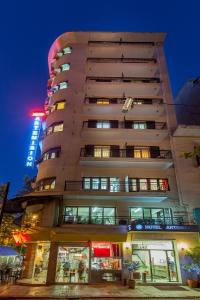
column 95, row 292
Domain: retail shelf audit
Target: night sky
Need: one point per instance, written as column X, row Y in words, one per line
column 28, row 28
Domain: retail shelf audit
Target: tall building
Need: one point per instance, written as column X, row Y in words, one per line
column 187, row 103
column 106, row 193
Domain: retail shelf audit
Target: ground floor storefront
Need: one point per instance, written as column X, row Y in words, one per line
column 154, row 257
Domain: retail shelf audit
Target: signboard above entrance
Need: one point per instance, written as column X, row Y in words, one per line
column 162, row 227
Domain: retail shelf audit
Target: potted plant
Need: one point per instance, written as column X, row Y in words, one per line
column 193, row 267
column 132, row 267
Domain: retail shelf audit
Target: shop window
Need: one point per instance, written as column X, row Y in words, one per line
column 72, row 264
column 41, row 263
column 106, row 262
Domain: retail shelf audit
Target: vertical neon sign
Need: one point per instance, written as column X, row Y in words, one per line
column 32, row 150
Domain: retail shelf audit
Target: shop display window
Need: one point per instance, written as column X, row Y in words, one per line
column 41, row 263
column 106, row 263
column 72, row 264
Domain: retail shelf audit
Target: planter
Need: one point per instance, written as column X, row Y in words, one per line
column 136, row 275
column 131, row 283
column 192, row 283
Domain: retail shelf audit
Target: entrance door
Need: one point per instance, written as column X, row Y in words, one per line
column 159, row 266
column 142, row 257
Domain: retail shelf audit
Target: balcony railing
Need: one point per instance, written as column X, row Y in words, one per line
column 125, row 153
column 125, row 125
column 124, row 79
column 106, row 220
column 139, row 101
column 114, row 187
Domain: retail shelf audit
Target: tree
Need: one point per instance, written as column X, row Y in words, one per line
column 7, row 228
column 194, row 154
column 27, row 186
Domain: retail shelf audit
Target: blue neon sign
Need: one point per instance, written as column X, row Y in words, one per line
column 32, row 150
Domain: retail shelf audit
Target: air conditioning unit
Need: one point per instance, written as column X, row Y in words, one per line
column 127, row 105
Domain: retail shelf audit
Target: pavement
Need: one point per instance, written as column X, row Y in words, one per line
column 106, row 291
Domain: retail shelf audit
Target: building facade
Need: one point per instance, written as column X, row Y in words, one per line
column 106, row 194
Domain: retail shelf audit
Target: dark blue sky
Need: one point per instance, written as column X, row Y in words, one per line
column 28, row 28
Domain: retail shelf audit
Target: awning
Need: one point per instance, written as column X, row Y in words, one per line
column 7, row 251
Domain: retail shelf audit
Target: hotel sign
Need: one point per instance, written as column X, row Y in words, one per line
column 32, row 150
column 162, row 227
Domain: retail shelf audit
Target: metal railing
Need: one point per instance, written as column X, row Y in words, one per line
column 123, row 125
column 113, row 187
column 124, row 153
column 123, row 220
column 122, row 101
column 124, row 79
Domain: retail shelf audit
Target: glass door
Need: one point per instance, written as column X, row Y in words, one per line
column 159, row 266
column 142, row 258
column 172, row 265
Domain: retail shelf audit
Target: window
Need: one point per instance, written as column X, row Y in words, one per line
column 151, row 215
column 93, row 215
column 55, row 128
column 101, row 183
column 141, row 152
column 103, row 101
column 63, row 85
column 60, row 86
column 60, row 105
column 46, row 184
column 139, row 125
column 65, row 67
column 58, row 127
column 51, row 154
column 57, row 106
column 103, row 124
column 148, row 184
column 143, row 184
column 67, row 50
column 101, row 151
column 153, row 185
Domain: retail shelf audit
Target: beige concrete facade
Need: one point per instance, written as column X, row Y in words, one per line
column 106, row 66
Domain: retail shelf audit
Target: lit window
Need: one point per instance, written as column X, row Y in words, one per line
column 59, row 54
column 86, row 183
column 143, row 184
column 139, row 125
column 101, row 151
column 141, row 152
column 133, row 185
column 63, row 85
column 58, row 127
column 67, row 50
column 60, row 105
column 103, row 124
column 114, row 184
column 65, row 67
column 163, row 184
column 95, row 183
column 46, row 184
column 153, row 185
column 53, row 107
column 103, row 101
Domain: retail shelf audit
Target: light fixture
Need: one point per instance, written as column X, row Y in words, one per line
column 182, row 246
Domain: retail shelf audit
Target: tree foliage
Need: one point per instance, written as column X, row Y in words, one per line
column 27, row 186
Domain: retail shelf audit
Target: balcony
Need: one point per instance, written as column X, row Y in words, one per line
column 141, row 106
column 123, row 220
column 115, row 191
column 123, row 158
column 120, row 129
